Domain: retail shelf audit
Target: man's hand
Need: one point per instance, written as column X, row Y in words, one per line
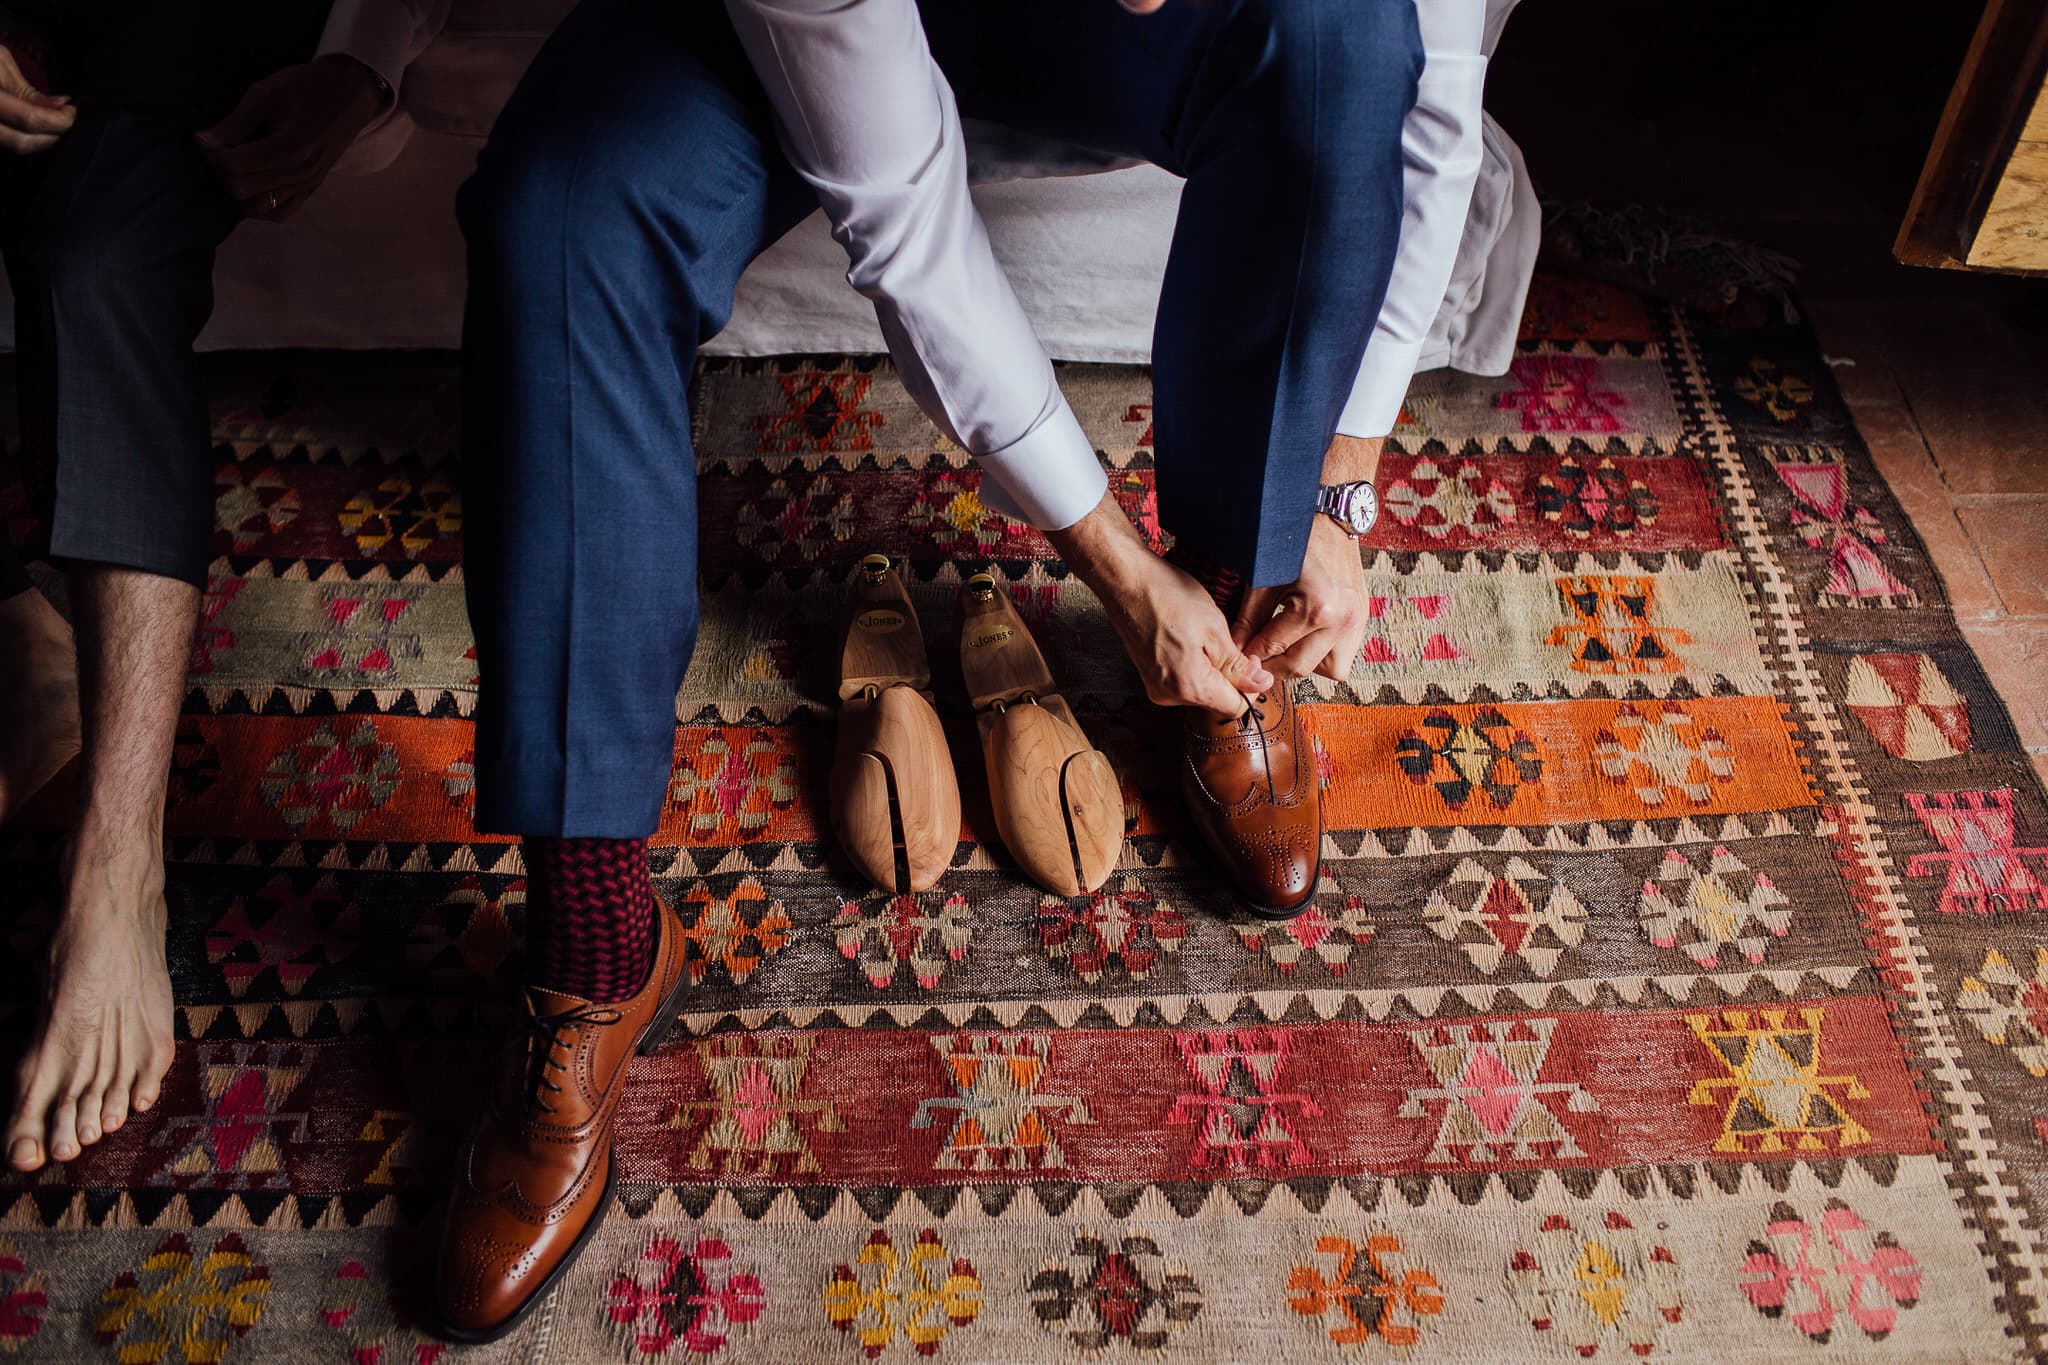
column 1315, row 624
column 30, row 121
column 284, row 137
column 1168, row 623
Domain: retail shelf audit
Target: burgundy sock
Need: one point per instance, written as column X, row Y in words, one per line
column 590, row 916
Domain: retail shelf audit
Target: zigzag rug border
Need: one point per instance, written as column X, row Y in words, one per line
column 56, row 1207
column 1145, row 853
column 374, row 1016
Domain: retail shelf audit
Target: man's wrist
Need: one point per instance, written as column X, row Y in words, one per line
column 373, row 94
column 1351, row 459
column 1102, row 548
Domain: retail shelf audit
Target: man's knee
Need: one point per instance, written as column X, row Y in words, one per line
column 123, row 234
column 1387, row 28
column 1349, row 48
column 628, row 220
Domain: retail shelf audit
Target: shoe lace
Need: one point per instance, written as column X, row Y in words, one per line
column 546, row 1035
column 1254, row 717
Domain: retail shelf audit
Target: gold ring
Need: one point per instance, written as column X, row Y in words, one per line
column 270, row 202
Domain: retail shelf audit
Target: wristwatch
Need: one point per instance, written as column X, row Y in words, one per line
column 1353, row 506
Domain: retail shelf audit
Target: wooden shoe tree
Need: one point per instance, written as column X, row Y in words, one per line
column 1056, row 799
column 895, row 800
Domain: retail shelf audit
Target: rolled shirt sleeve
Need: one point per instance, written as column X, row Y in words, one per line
column 867, row 118
column 1441, row 155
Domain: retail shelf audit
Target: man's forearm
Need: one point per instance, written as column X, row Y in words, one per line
column 1101, row 548
column 1351, row 459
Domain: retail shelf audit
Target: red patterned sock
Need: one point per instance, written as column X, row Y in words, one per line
column 590, row 916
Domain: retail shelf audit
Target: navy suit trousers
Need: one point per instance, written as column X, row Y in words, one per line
column 109, row 240
column 634, row 175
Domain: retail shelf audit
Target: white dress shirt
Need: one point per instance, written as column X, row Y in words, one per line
column 386, row 36
column 1441, row 156
column 867, row 118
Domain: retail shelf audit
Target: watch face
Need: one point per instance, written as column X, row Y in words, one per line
column 1353, row 504
column 1365, row 507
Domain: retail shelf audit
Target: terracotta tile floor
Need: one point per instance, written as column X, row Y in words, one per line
column 1950, row 398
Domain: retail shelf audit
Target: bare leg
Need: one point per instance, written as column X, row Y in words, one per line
column 103, row 1038
column 38, row 697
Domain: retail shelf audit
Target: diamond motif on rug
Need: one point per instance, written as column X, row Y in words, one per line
column 1846, row 533
column 1980, row 851
column 738, row 931
column 2010, row 1010
column 1705, row 911
column 1777, row 1097
column 923, row 1295
column 1116, row 931
column 1104, row 1292
column 1312, row 936
column 1596, row 501
column 824, row 414
column 1458, row 756
column 177, row 1305
column 1491, row 1100
column 238, row 1141
column 1597, row 1284
column 1847, row 1271
column 1438, row 503
column 332, row 775
column 1561, row 393
column 1372, row 1291
column 1663, row 754
column 809, row 523
column 1493, row 915
column 1000, row 1120
column 288, row 934
column 685, row 1292
column 1243, row 1119
column 1613, row 627
column 921, row 930
column 755, row 1123
column 412, row 516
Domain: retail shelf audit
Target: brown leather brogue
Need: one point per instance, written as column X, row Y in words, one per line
column 534, row 1179
column 1251, row 786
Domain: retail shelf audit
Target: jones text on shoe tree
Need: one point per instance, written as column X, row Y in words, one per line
column 1056, row 799
column 895, row 800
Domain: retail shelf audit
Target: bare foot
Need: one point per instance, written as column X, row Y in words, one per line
column 103, row 1036
column 39, row 730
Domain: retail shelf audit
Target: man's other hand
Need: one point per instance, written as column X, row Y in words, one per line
column 1172, row 629
column 30, row 121
column 1316, row 624
column 290, row 128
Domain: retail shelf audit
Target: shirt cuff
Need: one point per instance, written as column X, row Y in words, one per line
column 1380, row 388
column 1048, row 477
column 377, row 33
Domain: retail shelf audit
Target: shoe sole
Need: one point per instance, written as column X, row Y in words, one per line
column 657, row 1031
column 1275, row 915
column 665, row 1014
column 477, row 1336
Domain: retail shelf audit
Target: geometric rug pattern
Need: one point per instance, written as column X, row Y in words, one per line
column 1677, row 987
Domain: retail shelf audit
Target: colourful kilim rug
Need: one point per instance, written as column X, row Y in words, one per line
column 1678, row 987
